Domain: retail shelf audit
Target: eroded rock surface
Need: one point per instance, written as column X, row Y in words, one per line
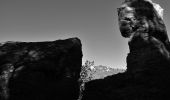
column 40, row 70
column 148, row 63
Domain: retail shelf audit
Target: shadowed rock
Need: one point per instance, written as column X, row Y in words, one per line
column 40, row 70
column 148, row 63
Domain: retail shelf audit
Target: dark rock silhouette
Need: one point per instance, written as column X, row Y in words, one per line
column 40, row 70
column 148, row 64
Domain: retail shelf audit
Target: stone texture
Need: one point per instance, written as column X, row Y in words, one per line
column 148, row 63
column 40, row 70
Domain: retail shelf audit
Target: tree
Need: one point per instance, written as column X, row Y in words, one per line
column 85, row 76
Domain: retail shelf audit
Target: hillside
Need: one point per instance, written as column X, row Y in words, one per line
column 99, row 72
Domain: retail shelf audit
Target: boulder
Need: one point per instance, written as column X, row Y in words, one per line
column 40, row 70
column 148, row 63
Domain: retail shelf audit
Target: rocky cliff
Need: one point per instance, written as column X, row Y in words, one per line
column 40, row 70
column 148, row 63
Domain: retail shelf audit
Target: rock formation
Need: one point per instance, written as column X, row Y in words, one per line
column 148, row 63
column 40, row 70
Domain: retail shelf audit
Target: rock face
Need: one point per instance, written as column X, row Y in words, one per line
column 148, row 64
column 40, row 70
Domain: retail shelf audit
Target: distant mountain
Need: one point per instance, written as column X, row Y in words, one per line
column 90, row 72
column 99, row 72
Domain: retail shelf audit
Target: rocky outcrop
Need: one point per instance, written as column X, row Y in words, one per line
column 40, row 70
column 148, row 64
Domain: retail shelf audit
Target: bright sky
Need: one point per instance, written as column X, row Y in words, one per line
column 93, row 21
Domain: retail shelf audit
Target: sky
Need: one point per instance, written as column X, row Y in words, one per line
column 95, row 22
